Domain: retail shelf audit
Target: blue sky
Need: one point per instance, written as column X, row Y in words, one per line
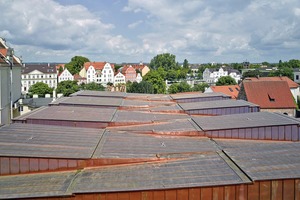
column 137, row 30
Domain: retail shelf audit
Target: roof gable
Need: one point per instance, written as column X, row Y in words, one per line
column 269, row 94
column 97, row 65
column 290, row 82
column 231, row 90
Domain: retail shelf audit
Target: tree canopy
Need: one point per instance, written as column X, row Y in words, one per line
column 142, row 87
column 166, row 60
column 92, row 86
column 284, row 71
column 200, row 87
column 226, row 80
column 67, row 87
column 76, row 63
column 179, row 87
column 155, row 78
column 40, row 89
column 185, row 64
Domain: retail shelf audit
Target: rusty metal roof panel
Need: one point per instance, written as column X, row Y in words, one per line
column 245, row 120
column 91, row 93
column 216, row 104
column 88, row 101
column 173, row 126
column 70, row 113
column 36, row 185
column 145, row 117
column 145, row 103
column 262, row 160
column 195, row 171
column 30, row 140
column 129, row 145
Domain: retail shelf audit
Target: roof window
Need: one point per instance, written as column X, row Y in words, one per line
column 270, row 98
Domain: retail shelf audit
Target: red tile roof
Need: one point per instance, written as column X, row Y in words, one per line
column 78, row 77
column 97, row 65
column 269, row 94
column 231, row 90
column 290, row 82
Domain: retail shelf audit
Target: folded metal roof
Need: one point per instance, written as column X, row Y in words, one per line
column 68, row 113
column 198, row 95
column 99, row 94
column 88, row 101
column 36, row 185
column 216, row 104
column 129, row 145
column 262, row 160
column 245, row 120
column 30, row 140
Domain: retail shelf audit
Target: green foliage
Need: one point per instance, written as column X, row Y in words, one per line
column 156, row 79
column 293, row 63
column 117, row 67
column 237, row 66
column 142, row 87
column 226, row 80
column 76, row 63
column 252, row 73
column 265, row 63
column 166, row 61
column 284, row 71
column 67, row 87
column 40, row 89
column 92, row 86
column 185, row 64
column 200, row 87
column 60, row 69
column 179, row 87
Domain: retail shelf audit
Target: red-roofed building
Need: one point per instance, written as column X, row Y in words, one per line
column 129, row 72
column 272, row 96
column 144, row 69
column 99, row 72
column 79, row 79
column 294, row 87
column 231, row 90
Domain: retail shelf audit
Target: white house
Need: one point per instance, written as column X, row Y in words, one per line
column 99, row 72
column 34, row 73
column 211, row 76
column 119, row 79
column 65, row 76
column 139, row 78
column 10, row 89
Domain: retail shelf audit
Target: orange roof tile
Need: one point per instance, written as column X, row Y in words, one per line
column 231, row 90
column 290, row 82
column 97, row 65
column 269, row 94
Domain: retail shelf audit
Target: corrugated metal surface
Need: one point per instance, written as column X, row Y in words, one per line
column 145, row 103
column 68, row 113
column 264, row 160
column 99, row 94
column 36, row 185
column 27, row 140
column 176, row 127
column 149, row 97
column 196, row 171
column 198, row 97
column 246, row 120
column 88, row 101
column 128, row 145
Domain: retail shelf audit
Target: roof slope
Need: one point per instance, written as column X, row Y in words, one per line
column 290, row 82
column 231, row 90
column 269, row 94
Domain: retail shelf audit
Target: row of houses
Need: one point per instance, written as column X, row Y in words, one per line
column 98, row 72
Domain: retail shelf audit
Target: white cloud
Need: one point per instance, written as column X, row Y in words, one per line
column 135, row 24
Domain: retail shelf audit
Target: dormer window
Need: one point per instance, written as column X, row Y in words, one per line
column 270, row 98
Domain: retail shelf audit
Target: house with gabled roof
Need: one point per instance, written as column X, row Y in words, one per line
column 272, row 96
column 65, row 76
column 99, row 72
column 212, row 75
column 294, row 87
column 129, row 72
column 231, row 90
column 144, row 69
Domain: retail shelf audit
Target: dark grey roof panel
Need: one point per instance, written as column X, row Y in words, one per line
column 150, row 97
column 30, row 140
column 99, row 94
column 195, row 171
column 44, row 68
column 216, row 104
column 69, row 113
column 198, row 95
column 88, row 101
column 36, row 185
column 264, row 160
column 128, row 145
column 245, row 120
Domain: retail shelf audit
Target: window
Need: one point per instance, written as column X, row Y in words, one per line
column 271, row 98
column 297, row 77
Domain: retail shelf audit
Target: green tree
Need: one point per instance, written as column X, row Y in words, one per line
column 179, row 87
column 265, row 63
column 166, row 61
column 60, row 69
column 252, row 73
column 67, row 87
column 226, row 80
column 92, row 86
column 76, row 63
column 142, row 87
column 154, row 77
column 185, row 64
column 284, row 71
column 200, row 87
column 40, row 89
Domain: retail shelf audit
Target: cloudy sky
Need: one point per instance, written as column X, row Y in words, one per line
column 136, row 30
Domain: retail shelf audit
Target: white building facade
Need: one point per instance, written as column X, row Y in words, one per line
column 65, row 76
column 34, row 73
column 211, row 76
column 98, row 72
column 119, row 79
